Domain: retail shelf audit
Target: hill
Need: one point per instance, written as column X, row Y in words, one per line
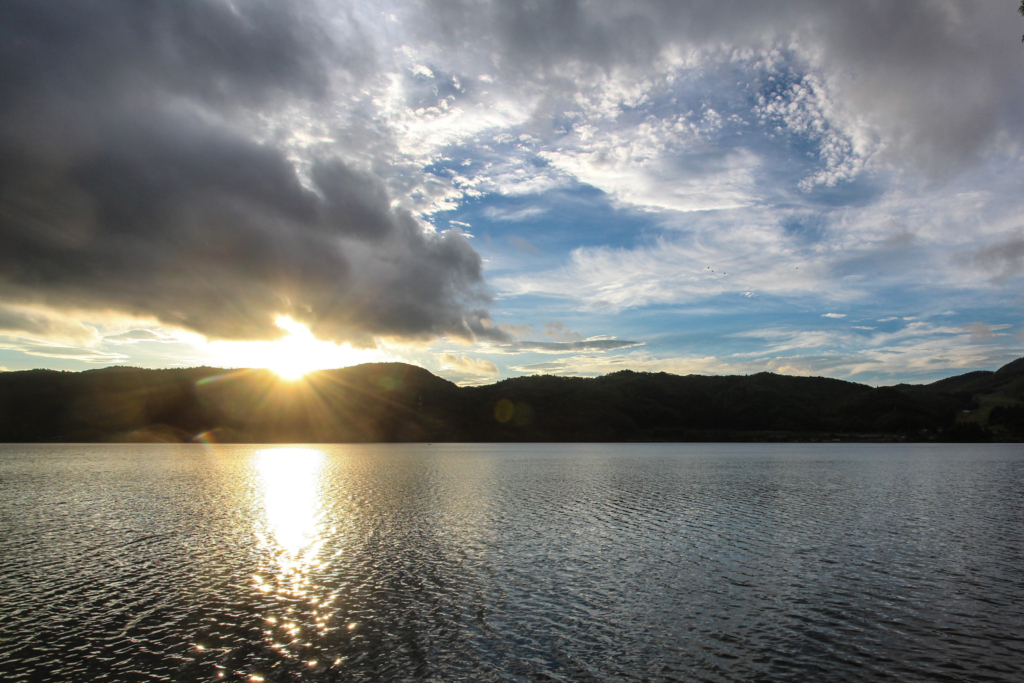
column 382, row 402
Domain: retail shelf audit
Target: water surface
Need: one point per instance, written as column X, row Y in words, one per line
column 593, row 562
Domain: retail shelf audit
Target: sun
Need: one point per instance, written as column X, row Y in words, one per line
column 298, row 353
column 293, row 356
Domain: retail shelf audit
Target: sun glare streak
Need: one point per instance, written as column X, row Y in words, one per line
column 293, row 356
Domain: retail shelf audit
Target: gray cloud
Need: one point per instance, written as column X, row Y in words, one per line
column 132, row 179
column 1003, row 260
column 556, row 329
column 980, row 332
column 124, row 51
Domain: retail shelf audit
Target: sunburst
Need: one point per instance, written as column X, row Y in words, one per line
column 293, row 356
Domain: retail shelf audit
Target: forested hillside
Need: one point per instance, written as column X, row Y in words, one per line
column 395, row 402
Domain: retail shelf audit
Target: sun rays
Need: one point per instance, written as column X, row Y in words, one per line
column 293, row 356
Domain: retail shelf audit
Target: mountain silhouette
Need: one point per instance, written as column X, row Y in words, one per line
column 395, row 402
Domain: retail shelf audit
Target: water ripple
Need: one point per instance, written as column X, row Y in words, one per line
column 511, row 563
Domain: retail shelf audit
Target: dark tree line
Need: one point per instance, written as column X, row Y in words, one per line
column 396, row 402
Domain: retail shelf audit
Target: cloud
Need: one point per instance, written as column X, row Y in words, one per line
column 139, row 335
column 833, row 315
column 803, row 108
column 133, row 180
column 919, row 349
column 556, row 330
column 924, row 355
column 645, row 171
column 599, row 345
column 1003, row 260
column 522, row 244
column 886, row 69
column 896, row 244
column 44, row 348
column 514, row 215
column 747, row 258
column 478, row 366
column 40, row 322
column 980, row 332
column 516, row 331
column 210, row 165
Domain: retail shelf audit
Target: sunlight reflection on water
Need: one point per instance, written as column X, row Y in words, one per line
column 290, row 478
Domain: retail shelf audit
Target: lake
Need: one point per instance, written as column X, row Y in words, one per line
column 512, row 562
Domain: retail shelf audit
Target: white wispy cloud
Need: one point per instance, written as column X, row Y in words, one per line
column 922, row 357
column 560, row 347
column 659, row 165
column 473, row 366
column 676, row 271
column 514, row 215
column 522, row 244
column 42, row 348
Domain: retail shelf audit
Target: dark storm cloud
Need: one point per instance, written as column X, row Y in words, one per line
column 939, row 80
column 130, row 183
column 124, row 49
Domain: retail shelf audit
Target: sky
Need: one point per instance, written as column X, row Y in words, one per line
column 492, row 189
